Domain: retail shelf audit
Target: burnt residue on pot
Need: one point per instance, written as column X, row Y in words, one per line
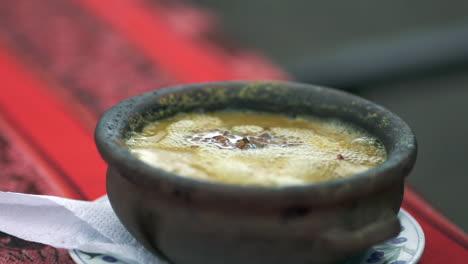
column 295, row 212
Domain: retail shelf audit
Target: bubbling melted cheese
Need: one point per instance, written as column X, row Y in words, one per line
column 248, row 148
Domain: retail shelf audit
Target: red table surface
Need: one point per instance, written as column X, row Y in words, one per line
column 63, row 63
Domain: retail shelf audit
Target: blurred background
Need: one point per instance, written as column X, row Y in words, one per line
column 409, row 56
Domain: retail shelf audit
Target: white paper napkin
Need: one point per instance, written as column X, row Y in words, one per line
column 64, row 223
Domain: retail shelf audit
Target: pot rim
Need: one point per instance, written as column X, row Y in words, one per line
column 109, row 133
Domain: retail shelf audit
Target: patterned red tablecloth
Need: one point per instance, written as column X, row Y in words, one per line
column 62, row 63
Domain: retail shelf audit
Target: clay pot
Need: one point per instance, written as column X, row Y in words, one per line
column 188, row 221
